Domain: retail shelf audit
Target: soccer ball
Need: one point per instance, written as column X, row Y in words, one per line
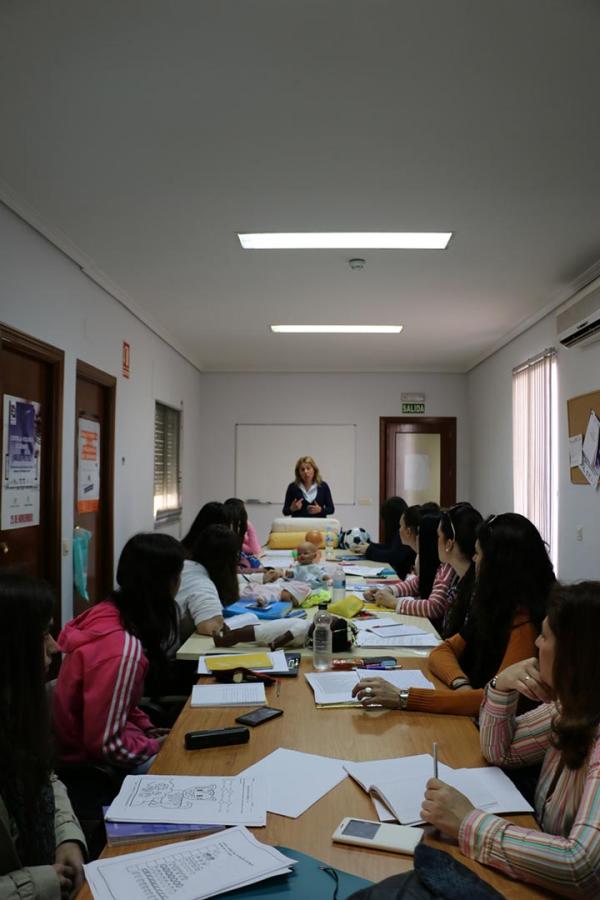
column 355, row 536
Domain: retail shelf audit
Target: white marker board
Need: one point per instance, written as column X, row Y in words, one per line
column 265, row 456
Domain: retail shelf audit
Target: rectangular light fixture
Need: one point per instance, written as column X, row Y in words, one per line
column 337, row 329
column 347, row 240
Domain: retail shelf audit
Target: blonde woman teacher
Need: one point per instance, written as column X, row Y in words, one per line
column 308, row 494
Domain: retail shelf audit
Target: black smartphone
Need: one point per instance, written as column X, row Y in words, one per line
column 260, row 715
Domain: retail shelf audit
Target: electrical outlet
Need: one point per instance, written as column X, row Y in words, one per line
column 579, row 534
column 66, row 548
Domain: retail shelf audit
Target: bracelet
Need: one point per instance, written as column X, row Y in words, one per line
column 404, row 694
column 460, row 682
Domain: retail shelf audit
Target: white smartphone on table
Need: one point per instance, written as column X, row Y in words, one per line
column 380, row 835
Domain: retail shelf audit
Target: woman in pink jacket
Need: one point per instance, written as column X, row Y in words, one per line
column 107, row 651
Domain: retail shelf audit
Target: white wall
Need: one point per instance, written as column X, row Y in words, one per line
column 358, row 399
column 45, row 294
column 490, row 413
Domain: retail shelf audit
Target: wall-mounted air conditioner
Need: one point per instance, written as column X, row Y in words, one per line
column 580, row 323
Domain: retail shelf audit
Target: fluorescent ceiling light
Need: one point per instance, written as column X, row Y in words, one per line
column 347, row 240
column 337, row 329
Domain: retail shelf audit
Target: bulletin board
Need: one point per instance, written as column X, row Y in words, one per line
column 578, row 412
column 265, row 456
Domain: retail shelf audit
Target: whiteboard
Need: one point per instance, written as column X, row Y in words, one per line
column 265, row 456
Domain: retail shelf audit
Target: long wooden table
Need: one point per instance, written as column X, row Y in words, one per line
column 354, row 734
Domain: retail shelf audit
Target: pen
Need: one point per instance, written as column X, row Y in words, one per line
column 435, row 759
column 381, row 668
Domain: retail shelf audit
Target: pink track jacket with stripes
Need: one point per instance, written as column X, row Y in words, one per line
column 99, row 685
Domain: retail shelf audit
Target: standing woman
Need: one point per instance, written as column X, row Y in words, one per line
column 108, row 650
column 40, row 839
column 563, row 734
column 308, row 494
column 393, row 551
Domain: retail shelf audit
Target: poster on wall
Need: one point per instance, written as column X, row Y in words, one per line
column 88, row 465
column 21, row 456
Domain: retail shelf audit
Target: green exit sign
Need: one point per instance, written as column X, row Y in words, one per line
column 413, row 409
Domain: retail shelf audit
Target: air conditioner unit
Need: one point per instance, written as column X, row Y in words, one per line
column 580, row 323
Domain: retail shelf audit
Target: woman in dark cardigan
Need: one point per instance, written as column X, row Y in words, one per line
column 308, row 495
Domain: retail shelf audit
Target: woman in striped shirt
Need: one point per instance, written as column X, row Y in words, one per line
column 563, row 733
column 425, row 594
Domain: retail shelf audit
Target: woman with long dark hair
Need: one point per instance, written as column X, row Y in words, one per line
column 457, row 533
column 212, row 513
column 400, row 556
column 40, row 839
column 208, row 581
column 250, row 545
column 563, row 734
column 108, row 650
column 514, row 578
column 425, row 593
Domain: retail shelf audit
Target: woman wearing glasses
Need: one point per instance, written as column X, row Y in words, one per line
column 563, row 734
column 514, row 576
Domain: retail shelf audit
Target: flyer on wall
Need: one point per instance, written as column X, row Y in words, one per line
column 21, row 456
column 88, row 465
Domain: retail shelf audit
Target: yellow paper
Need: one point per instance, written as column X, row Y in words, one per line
column 243, row 660
column 348, row 607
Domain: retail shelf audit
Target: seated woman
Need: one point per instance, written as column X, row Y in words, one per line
column 514, row 577
column 250, row 543
column 457, row 533
column 41, row 842
column 107, row 653
column 562, row 733
column 425, row 594
column 239, row 524
column 308, row 494
column 393, row 551
column 208, row 581
column 212, row 513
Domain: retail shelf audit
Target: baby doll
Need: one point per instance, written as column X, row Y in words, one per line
column 306, row 568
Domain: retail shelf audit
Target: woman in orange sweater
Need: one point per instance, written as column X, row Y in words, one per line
column 514, row 577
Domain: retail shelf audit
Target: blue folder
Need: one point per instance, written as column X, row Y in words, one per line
column 306, row 880
column 279, row 609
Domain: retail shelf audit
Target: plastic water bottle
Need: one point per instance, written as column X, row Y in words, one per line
column 338, row 588
column 328, row 545
column 322, row 639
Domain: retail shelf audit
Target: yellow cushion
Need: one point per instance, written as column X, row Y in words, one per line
column 289, row 540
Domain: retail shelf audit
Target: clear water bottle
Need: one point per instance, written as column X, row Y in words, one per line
column 338, row 588
column 322, row 639
column 328, row 545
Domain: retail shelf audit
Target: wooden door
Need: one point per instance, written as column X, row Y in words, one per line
column 31, row 381
column 95, row 418
column 418, row 459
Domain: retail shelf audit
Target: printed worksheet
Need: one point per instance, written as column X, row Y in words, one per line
column 187, row 870
column 187, row 799
column 374, row 639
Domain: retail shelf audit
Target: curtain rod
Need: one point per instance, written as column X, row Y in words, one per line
column 548, row 353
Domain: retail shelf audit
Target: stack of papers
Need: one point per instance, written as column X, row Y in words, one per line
column 188, row 870
column 397, row 787
column 365, row 571
column 396, row 636
column 245, row 694
column 296, row 780
column 186, row 799
column 335, row 688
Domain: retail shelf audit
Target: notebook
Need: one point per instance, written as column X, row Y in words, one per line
column 245, row 694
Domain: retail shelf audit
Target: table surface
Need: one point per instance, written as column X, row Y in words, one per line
column 349, row 733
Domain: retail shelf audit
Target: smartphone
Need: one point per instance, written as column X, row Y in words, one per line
column 260, row 715
column 383, row 836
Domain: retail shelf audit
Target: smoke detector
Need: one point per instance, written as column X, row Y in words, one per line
column 356, row 263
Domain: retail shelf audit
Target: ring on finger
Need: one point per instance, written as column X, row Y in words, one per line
column 368, row 690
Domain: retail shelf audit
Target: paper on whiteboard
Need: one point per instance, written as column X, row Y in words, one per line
column 186, row 799
column 575, row 450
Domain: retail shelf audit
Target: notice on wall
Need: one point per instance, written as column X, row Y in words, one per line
column 88, row 465
column 413, row 404
column 21, row 458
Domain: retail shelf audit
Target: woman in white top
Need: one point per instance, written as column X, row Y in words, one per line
column 208, row 581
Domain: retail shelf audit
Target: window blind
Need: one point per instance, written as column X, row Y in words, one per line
column 167, row 476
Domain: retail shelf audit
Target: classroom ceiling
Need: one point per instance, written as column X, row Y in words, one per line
column 143, row 135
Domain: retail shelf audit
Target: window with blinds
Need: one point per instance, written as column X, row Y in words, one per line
column 167, row 475
column 535, row 445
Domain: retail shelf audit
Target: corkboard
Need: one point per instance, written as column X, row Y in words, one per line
column 578, row 411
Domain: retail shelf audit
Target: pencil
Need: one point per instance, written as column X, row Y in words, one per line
column 435, row 759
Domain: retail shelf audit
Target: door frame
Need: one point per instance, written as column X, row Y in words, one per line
column 107, row 463
column 36, row 349
column 445, row 426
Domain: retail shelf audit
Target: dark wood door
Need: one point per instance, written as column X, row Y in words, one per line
column 94, row 415
column 31, row 415
column 418, row 459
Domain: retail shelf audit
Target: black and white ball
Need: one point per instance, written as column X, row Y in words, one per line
column 352, row 538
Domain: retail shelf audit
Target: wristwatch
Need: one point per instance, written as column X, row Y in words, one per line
column 404, row 698
column 493, row 682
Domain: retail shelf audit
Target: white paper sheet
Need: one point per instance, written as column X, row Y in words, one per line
column 251, row 694
column 592, row 475
column 364, row 571
column 397, row 630
column 187, row 870
column 277, row 657
column 186, row 799
column 590, row 441
column 240, row 621
column 296, row 780
column 373, row 624
column 369, row 639
column 575, row 450
column 336, row 687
